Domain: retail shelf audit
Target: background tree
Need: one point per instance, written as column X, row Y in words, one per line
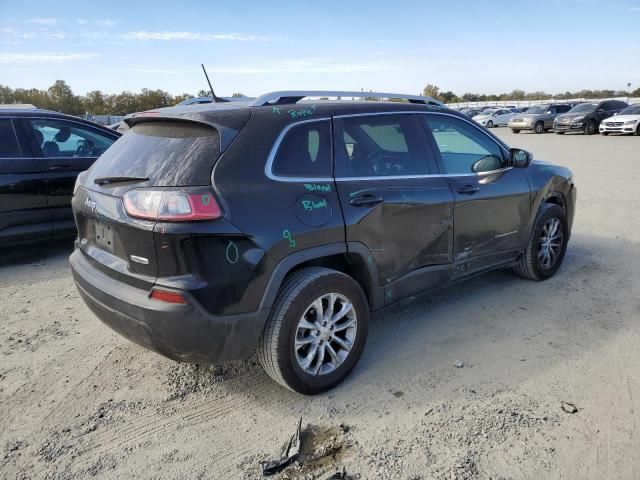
column 432, row 91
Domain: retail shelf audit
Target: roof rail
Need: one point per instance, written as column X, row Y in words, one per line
column 294, row 96
column 17, row 106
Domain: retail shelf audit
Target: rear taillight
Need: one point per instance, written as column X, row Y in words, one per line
column 171, row 206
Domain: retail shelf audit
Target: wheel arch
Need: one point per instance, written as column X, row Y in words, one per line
column 351, row 258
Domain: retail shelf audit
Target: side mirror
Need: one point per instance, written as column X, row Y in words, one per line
column 519, row 158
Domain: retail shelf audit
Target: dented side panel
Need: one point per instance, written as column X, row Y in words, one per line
column 490, row 224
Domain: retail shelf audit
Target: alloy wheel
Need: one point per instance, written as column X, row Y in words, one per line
column 325, row 334
column 550, row 245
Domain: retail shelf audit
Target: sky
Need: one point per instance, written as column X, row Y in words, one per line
column 256, row 46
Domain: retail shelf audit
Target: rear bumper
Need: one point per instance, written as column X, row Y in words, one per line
column 185, row 333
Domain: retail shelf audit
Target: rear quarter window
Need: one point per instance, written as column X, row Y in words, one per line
column 304, row 152
column 169, row 153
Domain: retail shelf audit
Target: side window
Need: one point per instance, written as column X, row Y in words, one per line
column 463, row 147
column 606, row 106
column 552, row 110
column 563, row 108
column 59, row 138
column 379, row 146
column 9, row 147
column 305, row 151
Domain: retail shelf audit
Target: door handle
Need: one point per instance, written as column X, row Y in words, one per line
column 470, row 188
column 365, row 200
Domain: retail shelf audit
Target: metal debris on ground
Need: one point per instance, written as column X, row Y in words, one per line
column 458, row 364
column 289, row 453
column 568, row 407
column 341, row 475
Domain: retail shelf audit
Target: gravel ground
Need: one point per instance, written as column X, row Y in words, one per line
column 464, row 383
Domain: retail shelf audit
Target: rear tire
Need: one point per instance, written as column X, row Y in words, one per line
column 539, row 127
column 590, row 128
column 515, row 131
column 545, row 251
column 559, row 133
column 290, row 338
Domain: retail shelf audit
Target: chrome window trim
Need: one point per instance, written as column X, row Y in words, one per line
column 280, row 137
column 274, row 150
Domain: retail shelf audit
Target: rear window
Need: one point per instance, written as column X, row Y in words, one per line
column 168, row 153
column 305, row 151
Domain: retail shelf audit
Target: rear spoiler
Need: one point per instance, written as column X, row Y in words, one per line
column 227, row 121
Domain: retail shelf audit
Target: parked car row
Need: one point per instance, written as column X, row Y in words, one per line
column 605, row 116
column 587, row 117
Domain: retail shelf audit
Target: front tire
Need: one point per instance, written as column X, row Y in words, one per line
column 637, row 132
column 604, row 133
column 489, row 124
column 558, row 133
column 539, row 128
column 590, row 128
column 547, row 245
column 316, row 331
column 515, row 131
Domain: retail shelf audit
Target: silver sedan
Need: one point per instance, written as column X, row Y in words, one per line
column 497, row 117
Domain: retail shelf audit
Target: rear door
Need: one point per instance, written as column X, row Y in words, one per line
column 66, row 148
column 23, row 200
column 392, row 201
column 492, row 200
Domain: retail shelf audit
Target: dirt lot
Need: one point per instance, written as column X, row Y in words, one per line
column 76, row 400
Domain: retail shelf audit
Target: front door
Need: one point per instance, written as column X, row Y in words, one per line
column 392, row 201
column 67, row 148
column 492, row 201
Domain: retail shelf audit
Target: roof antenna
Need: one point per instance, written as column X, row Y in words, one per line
column 214, row 99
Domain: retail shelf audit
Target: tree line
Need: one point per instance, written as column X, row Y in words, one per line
column 60, row 97
column 450, row 97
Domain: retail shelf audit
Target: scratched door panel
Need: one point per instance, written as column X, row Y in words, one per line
column 410, row 229
column 390, row 204
column 491, row 222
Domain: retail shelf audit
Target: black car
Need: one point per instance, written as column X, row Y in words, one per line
column 211, row 231
column 586, row 117
column 41, row 154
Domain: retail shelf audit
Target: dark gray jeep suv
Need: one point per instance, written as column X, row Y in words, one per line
column 208, row 232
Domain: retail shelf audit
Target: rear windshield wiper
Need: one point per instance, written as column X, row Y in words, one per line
column 112, row 180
